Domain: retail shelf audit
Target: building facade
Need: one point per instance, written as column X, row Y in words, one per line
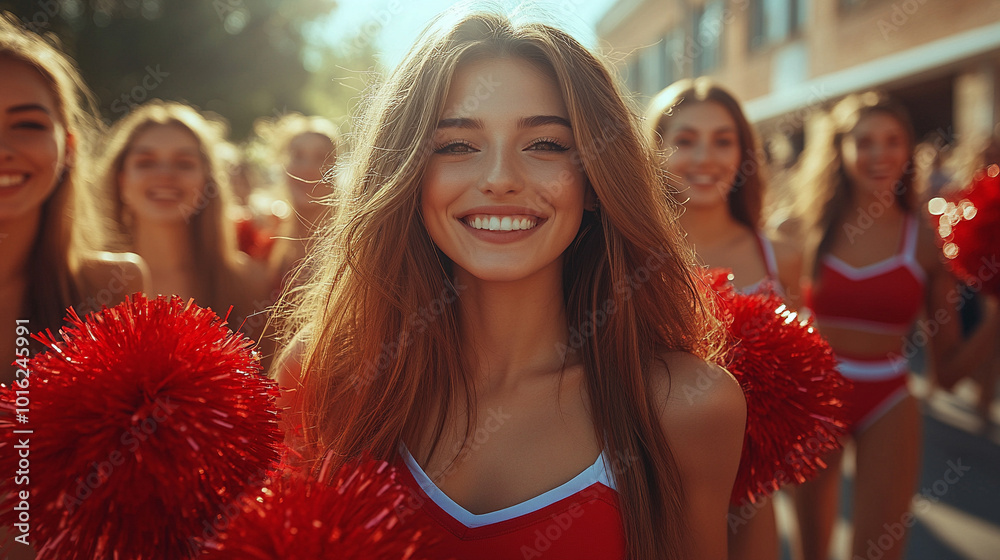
column 786, row 58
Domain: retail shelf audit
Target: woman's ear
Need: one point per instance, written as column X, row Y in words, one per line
column 590, row 201
column 70, row 151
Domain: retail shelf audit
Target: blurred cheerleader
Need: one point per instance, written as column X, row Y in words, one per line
column 169, row 198
column 49, row 230
column 872, row 268
column 963, row 163
column 505, row 310
column 49, row 233
column 307, row 149
column 713, row 157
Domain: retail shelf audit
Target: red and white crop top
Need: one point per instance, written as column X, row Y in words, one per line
column 883, row 297
column 578, row 519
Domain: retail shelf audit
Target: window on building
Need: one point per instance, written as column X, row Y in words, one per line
column 657, row 66
column 849, row 4
column 774, row 21
column 707, row 37
column 652, row 69
column 672, row 50
column 801, row 17
column 661, row 64
column 632, row 77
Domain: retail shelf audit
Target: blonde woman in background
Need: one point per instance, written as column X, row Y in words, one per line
column 306, row 148
column 169, row 197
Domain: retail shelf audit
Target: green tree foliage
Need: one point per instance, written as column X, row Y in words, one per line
column 242, row 59
column 341, row 75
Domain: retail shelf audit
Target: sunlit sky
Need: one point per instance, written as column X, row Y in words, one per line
column 393, row 25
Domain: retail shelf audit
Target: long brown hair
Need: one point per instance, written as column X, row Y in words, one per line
column 823, row 181
column 213, row 237
column 69, row 227
column 380, row 332
column 746, row 198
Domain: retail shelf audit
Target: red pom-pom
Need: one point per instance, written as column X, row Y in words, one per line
column 149, row 419
column 969, row 229
column 361, row 514
column 792, row 387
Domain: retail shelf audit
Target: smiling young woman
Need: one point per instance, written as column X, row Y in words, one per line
column 714, row 165
column 502, row 308
column 49, row 233
column 169, row 197
column 513, row 151
column 872, row 268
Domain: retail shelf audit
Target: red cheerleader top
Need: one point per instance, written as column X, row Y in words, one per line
column 579, row 519
column 884, row 297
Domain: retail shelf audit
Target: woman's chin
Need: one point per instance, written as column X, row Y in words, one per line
column 704, row 201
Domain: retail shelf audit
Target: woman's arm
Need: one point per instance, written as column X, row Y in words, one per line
column 952, row 356
column 704, row 417
column 287, row 371
column 789, row 260
column 252, row 301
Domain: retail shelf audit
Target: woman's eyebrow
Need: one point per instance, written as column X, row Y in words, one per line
column 721, row 130
column 29, row 107
column 542, row 120
column 524, row 122
column 146, row 149
column 461, row 122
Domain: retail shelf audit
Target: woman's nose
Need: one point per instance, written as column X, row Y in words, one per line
column 503, row 175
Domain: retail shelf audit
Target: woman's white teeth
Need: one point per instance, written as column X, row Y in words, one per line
column 169, row 194
column 12, row 180
column 498, row 223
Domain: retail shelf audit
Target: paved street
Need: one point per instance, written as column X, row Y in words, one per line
column 956, row 520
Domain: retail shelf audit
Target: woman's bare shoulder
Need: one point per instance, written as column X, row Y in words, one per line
column 786, row 249
column 256, row 277
column 788, row 253
column 697, row 398
column 118, row 274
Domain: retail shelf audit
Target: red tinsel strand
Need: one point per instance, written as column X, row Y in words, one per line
column 362, row 513
column 149, row 419
column 968, row 228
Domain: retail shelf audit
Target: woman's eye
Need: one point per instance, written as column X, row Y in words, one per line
column 185, row 165
column 548, row 145
column 684, row 142
column 31, row 125
column 456, row 147
column 725, row 142
column 145, row 163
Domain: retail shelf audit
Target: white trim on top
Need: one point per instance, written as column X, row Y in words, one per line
column 597, row 472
